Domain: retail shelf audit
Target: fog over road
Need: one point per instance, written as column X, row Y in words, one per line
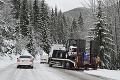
column 44, row 72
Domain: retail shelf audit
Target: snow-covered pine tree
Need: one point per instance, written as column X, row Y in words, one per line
column 52, row 27
column 60, row 28
column 30, row 45
column 36, row 24
column 115, row 18
column 118, row 43
column 56, row 24
column 104, row 36
column 6, row 24
column 65, row 29
column 36, row 15
column 80, row 28
column 99, row 30
column 1, row 37
column 110, row 39
column 80, row 22
column 68, row 28
column 24, row 19
column 16, row 9
column 73, row 29
column 44, row 27
column 16, row 16
column 1, row 40
column 109, row 51
column 6, row 19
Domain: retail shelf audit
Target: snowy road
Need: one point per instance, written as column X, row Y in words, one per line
column 43, row 72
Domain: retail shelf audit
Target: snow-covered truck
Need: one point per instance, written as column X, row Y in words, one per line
column 73, row 55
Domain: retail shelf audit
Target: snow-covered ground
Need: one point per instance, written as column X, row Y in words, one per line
column 113, row 74
column 6, row 60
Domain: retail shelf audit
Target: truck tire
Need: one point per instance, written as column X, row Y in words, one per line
column 95, row 67
column 50, row 65
column 18, row 66
column 63, row 64
column 68, row 65
column 31, row 67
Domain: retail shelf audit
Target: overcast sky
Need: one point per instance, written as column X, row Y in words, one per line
column 66, row 5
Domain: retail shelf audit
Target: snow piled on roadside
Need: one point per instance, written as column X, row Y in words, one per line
column 113, row 74
column 4, row 64
column 7, row 60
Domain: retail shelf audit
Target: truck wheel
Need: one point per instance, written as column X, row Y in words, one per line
column 95, row 67
column 68, row 66
column 63, row 64
column 50, row 65
column 31, row 67
column 18, row 66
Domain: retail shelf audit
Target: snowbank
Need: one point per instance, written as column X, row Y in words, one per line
column 113, row 74
column 7, row 60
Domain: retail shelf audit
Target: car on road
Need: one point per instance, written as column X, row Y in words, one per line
column 25, row 61
column 44, row 59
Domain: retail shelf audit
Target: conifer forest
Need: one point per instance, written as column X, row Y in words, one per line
column 34, row 25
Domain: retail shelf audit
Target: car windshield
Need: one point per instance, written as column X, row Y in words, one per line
column 25, row 56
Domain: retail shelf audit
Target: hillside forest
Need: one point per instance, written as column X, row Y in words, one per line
column 34, row 25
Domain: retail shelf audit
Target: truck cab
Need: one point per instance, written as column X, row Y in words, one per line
column 72, row 51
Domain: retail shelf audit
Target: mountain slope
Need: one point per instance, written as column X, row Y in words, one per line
column 74, row 13
column 87, row 18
